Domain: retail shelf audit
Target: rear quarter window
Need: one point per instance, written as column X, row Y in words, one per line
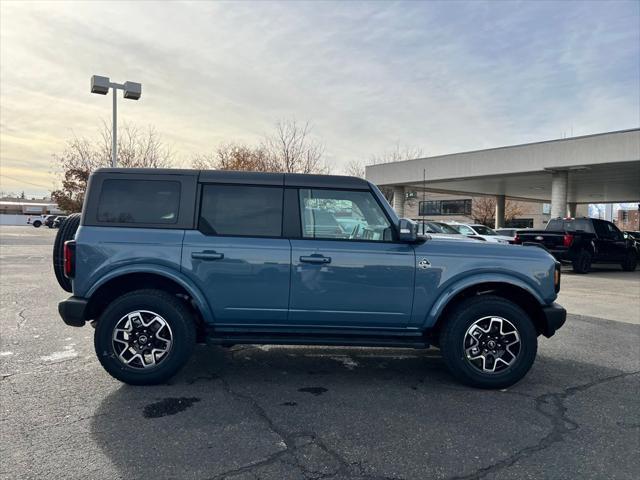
column 139, row 202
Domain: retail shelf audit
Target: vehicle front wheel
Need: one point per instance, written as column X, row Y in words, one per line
column 37, row 224
column 145, row 337
column 488, row 342
column 630, row 262
column 582, row 263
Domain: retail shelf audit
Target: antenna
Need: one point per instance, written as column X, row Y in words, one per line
column 424, row 193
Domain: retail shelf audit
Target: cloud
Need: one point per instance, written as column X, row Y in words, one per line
column 445, row 76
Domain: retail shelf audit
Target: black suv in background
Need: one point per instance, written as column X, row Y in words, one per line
column 49, row 219
column 57, row 222
column 583, row 241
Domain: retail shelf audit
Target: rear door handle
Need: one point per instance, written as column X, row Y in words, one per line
column 315, row 259
column 207, row 255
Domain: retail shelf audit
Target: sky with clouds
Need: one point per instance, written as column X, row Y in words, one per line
column 441, row 76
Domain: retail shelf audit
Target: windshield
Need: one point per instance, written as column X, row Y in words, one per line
column 482, row 230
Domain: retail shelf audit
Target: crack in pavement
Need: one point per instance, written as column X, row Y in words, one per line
column 293, row 443
column 561, row 425
column 22, row 319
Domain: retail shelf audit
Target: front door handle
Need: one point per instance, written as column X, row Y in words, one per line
column 315, row 259
column 207, row 255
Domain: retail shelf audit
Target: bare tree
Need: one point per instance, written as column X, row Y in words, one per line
column 289, row 149
column 235, row 156
column 397, row 154
column 484, row 210
column 512, row 210
column 136, row 148
column 292, row 150
column 355, row 168
column 82, row 156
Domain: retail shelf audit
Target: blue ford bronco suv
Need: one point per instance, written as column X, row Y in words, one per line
column 160, row 259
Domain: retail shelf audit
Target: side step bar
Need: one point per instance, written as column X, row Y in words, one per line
column 220, row 338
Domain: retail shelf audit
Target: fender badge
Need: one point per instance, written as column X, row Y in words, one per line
column 424, row 263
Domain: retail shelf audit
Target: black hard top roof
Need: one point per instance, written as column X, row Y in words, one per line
column 252, row 178
column 149, row 171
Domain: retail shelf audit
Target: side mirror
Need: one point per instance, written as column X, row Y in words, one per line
column 407, row 230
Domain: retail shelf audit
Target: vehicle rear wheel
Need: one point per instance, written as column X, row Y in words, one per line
column 37, row 224
column 67, row 231
column 144, row 337
column 582, row 263
column 630, row 262
column 488, row 342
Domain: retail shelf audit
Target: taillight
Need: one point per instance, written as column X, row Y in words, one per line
column 567, row 240
column 69, row 258
column 517, row 240
column 556, row 277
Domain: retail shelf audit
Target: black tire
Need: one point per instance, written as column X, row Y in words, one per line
column 453, row 334
column 37, row 224
column 630, row 262
column 582, row 262
column 67, row 231
column 182, row 329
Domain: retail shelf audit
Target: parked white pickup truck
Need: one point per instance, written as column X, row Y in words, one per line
column 38, row 220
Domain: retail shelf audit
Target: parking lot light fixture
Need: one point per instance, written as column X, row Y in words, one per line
column 132, row 91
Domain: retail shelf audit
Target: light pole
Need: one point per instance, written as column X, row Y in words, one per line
column 132, row 91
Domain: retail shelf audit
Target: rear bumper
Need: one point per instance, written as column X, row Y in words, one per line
column 562, row 255
column 72, row 311
column 554, row 318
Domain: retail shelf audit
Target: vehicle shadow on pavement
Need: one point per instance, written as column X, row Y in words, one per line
column 305, row 412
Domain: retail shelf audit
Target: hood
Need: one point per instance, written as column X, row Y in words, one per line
column 474, row 248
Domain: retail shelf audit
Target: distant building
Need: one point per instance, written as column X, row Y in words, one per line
column 567, row 174
column 16, row 205
column 16, row 211
column 629, row 219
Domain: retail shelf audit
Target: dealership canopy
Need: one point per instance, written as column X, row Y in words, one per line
column 600, row 168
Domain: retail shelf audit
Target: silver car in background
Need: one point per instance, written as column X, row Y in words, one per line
column 479, row 231
column 439, row 230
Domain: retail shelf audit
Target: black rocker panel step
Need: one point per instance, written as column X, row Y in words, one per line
column 270, row 338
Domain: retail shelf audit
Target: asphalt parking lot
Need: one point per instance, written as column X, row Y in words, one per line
column 310, row 413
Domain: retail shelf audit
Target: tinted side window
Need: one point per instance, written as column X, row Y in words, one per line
column 343, row 214
column 601, row 228
column 606, row 229
column 139, row 201
column 241, row 210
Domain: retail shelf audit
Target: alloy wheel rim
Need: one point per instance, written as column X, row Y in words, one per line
column 491, row 344
column 142, row 339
